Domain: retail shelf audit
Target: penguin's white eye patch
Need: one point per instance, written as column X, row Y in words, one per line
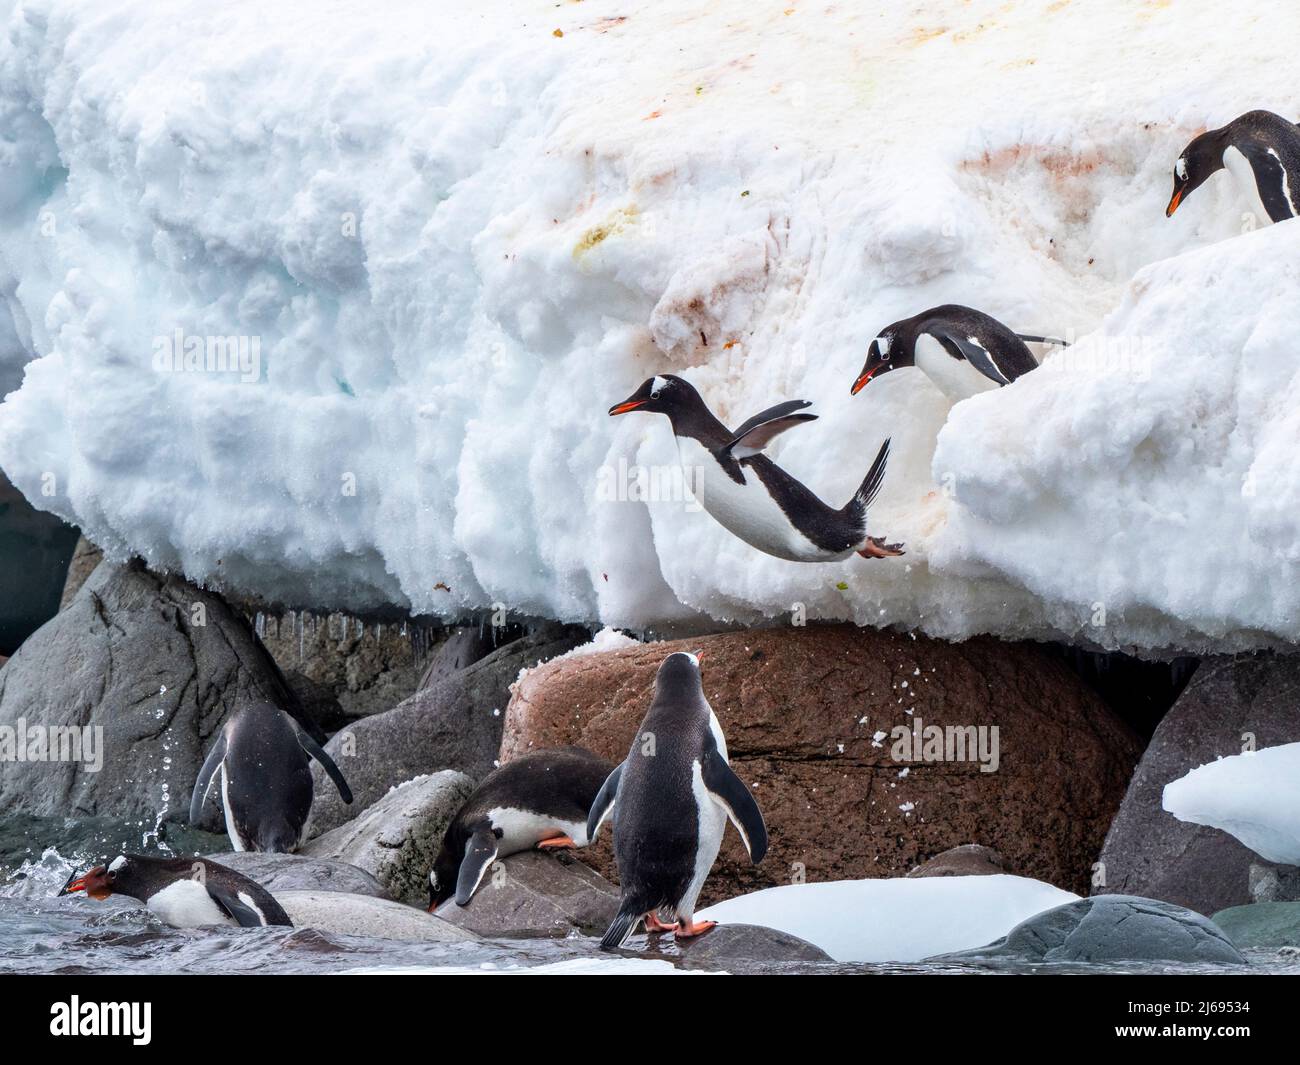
column 882, row 342
column 117, row 863
column 1180, row 168
column 657, row 386
column 433, row 880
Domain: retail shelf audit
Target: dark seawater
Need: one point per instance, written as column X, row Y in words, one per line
column 40, row 933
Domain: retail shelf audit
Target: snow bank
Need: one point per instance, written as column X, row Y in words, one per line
column 1254, row 797
column 902, row 919
column 432, row 247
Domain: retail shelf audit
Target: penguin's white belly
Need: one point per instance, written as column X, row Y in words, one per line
column 747, row 510
column 187, row 904
column 712, row 822
column 522, row 830
column 1243, row 177
column 955, row 378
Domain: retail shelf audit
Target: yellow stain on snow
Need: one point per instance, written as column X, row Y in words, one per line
column 616, row 222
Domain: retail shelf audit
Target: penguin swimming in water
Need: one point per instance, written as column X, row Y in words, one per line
column 962, row 350
column 672, row 796
column 539, row 800
column 183, row 892
column 1260, row 150
column 266, row 785
column 748, row 493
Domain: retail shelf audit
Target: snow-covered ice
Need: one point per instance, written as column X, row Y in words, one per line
column 902, row 919
column 447, row 240
column 1254, row 797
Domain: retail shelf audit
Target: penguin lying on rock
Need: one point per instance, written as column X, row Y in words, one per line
column 1260, row 150
column 539, row 800
column 183, row 892
column 962, row 350
column 673, row 795
column 748, row 493
column 266, row 785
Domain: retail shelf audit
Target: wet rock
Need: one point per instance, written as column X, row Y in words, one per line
column 296, row 872
column 970, row 859
column 463, row 648
column 455, row 724
column 396, row 839
column 364, row 915
column 1262, row 925
column 537, row 894
column 819, row 722
column 35, row 547
column 1108, row 928
column 730, row 943
column 317, row 701
column 1150, row 852
column 155, row 663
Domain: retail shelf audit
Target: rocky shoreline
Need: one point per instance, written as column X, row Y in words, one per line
column 876, row 757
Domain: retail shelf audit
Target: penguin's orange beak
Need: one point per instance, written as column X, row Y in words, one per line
column 862, row 380
column 625, row 406
column 1174, row 202
column 94, row 884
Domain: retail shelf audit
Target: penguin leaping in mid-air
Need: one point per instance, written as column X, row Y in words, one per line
column 266, row 783
column 671, row 798
column 748, row 493
column 1260, row 150
column 183, row 892
column 962, row 350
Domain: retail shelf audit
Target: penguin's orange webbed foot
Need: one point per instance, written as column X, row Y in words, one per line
column 556, row 843
column 877, row 548
column 694, row 928
column 653, row 924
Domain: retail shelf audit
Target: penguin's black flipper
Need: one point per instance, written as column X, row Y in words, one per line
column 234, row 907
column 974, row 353
column 480, row 852
column 204, row 780
column 729, row 790
column 603, row 803
column 1270, row 180
column 327, row 763
column 758, row 431
column 1031, row 338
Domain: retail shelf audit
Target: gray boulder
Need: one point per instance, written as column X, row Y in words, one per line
column 1112, row 928
column 297, row 872
column 1148, row 851
column 454, row 724
column 364, row 915
column 1263, row 925
column 537, row 894
column 464, row 647
column 970, row 859
column 396, row 839
column 154, row 666
column 734, row 943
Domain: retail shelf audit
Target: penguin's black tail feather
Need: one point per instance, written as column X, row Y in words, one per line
column 871, row 483
column 621, row 928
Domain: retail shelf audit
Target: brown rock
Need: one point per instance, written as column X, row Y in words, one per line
column 970, row 859
column 801, row 708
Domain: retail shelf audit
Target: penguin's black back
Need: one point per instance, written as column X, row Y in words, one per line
column 269, row 784
column 561, row 782
column 656, row 820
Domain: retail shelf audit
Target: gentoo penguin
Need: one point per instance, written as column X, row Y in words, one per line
column 751, row 495
column 266, row 785
column 183, row 892
column 1260, row 150
column 539, row 800
column 674, row 793
column 962, row 350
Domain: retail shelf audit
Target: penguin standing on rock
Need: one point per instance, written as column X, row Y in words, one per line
column 748, row 493
column 672, row 797
column 962, row 350
column 1260, row 150
column 183, row 892
column 539, row 800
column 266, row 785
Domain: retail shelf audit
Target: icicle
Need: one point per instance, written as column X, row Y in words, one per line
column 302, row 632
column 259, row 625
